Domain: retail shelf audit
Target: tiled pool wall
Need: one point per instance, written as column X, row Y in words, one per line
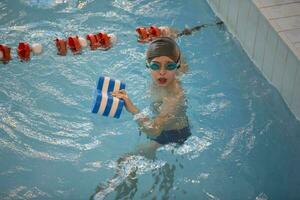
column 269, row 31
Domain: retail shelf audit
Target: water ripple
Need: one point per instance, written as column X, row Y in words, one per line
column 57, row 93
column 28, row 151
column 240, row 136
column 129, row 165
column 23, row 192
column 192, row 148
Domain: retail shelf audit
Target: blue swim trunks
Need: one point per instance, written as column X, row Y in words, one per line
column 173, row 136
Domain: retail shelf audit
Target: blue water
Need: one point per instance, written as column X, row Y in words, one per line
column 245, row 142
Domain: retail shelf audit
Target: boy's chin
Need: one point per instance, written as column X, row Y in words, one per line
column 161, row 85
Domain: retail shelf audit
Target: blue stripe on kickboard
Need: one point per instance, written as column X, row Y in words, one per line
column 108, row 106
column 122, row 86
column 121, row 103
column 100, row 83
column 119, row 109
column 97, row 101
column 111, row 86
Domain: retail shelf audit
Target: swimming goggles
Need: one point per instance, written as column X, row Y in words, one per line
column 169, row 66
column 156, row 66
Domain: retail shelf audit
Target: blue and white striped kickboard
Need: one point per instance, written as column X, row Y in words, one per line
column 104, row 103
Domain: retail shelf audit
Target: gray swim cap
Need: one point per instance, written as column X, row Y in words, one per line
column 163, row 46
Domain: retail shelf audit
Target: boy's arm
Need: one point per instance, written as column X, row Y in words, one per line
column 152, row 127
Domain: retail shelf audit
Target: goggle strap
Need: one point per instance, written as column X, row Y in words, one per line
column 178, row 60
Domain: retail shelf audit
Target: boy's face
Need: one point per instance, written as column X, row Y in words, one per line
column 162, row 76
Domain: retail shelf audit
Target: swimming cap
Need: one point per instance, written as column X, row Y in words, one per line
column 163, row 46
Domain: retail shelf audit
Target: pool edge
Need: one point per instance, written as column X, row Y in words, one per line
column 269, row 49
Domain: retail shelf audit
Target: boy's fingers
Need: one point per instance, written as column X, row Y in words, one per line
column 116, row 92
column 120, row 96
column 122, row 91
column 119, row 92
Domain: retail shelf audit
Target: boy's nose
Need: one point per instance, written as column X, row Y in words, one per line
column 162, row 71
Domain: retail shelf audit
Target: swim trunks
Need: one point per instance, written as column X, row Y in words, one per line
column 178, row 136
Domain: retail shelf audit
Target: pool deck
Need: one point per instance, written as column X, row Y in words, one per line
column 269, row 32
column 284, row 16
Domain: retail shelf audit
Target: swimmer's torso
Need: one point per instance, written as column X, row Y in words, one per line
column 174, row 104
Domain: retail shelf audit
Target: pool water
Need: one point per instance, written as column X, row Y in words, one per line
column 245, row 142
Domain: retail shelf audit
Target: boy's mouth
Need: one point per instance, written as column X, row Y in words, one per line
column 162, row 80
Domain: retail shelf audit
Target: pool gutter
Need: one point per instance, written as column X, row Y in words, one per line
column 269, row 32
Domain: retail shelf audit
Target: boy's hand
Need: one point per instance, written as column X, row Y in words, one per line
column 121, row 94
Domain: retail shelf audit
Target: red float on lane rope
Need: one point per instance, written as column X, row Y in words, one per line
column 74, row 45
column 154, row 31
column 143, row 35
column 6, row 57
column 94, row 42
column 61, row 46
column 104, row 40
column 147, row 34
column 23, row 51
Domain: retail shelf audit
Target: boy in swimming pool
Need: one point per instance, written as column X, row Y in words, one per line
column 163, row 59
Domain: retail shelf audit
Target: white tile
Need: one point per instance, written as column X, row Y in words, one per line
column 217, row 3
column 293, row 35
column 289, row 78
column 223, row 9
column 286, row 10
column 297, row 53
column 270, row 50
column 257, row 3
column 242, row 20
column 290, row 44
column 297, row 47
column 232, row 14
column 251, row 29
column 266, row 3
column 214, row 4
column 279, row 64
column 288, row 23
column 260, row 40
column 275, row 25
column 296, row 96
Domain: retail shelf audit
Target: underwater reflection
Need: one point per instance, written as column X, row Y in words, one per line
column 124, row 184
column 163, row 182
